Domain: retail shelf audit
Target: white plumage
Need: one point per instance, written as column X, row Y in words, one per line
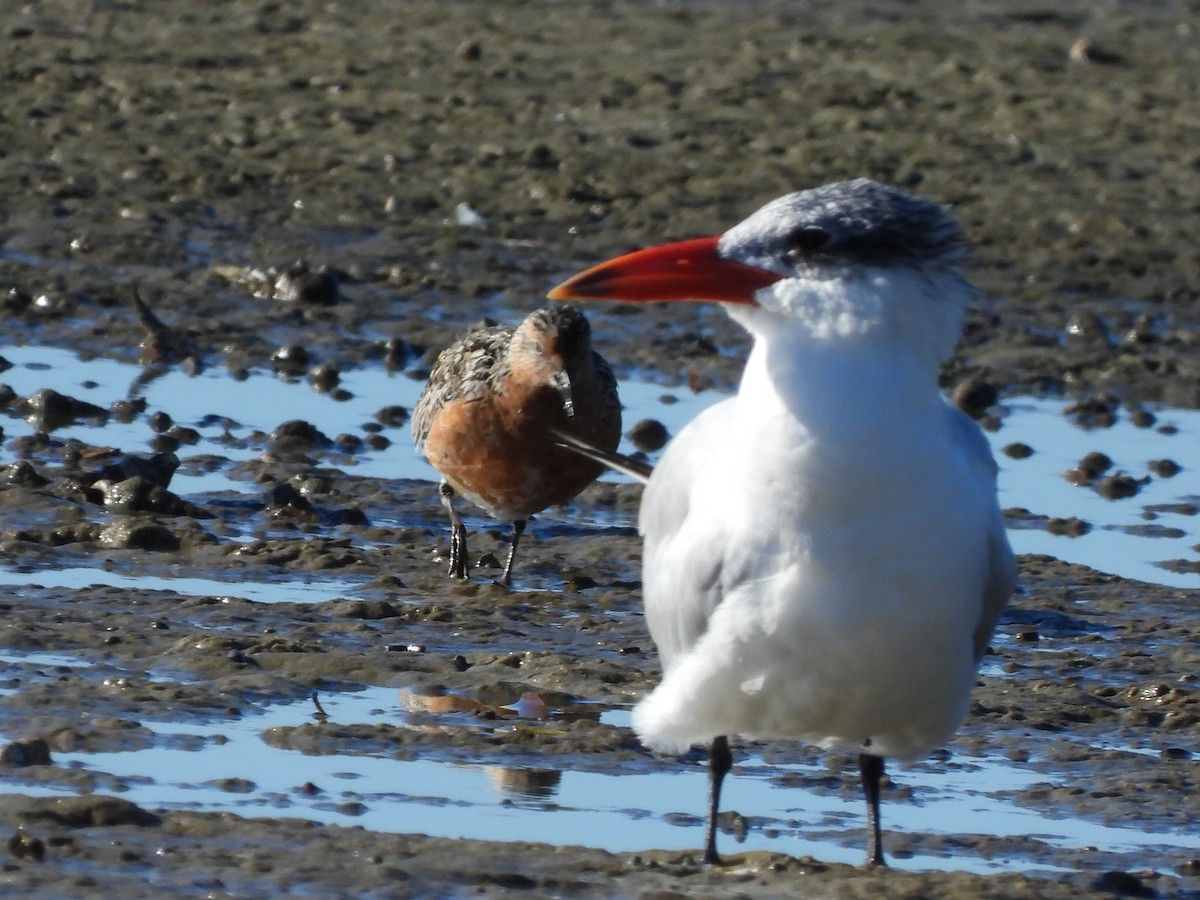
column 825, row 557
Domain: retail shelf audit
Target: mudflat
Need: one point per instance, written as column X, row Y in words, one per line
column 318, row 188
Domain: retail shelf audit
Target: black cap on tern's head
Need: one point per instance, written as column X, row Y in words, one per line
column 830, row 231
column 845, row 225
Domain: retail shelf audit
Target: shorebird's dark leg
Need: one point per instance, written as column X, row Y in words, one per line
column 871, row 769
column 459, row 563
column 720, row 761
column 518, row 530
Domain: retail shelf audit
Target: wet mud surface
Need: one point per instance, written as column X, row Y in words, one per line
column 321, row 188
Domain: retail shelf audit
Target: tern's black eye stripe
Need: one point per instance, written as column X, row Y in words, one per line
column 806, row 241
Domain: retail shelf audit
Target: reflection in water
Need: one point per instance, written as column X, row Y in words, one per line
column 438, row 701
column 537, row 784
column 617, row 810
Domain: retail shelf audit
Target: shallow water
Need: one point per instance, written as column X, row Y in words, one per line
column 1131, row 537
column 203, row 766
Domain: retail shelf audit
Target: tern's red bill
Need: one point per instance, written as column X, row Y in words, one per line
column 687, row 270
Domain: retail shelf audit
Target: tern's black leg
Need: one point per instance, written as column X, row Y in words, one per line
column 518, row 530
column 871, row 768
column 458, row 535
column 720, row 761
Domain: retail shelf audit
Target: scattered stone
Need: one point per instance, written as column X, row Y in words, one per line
column 47, row 410
column 324, row 378
column 470, row 50
column 1018, row 450
column 285, row 500
column 23, row 845
column 18, row 754
column 392, row 416
column 974, row 397
column 1142, row 418
column 158, row 469
column 1165, row 468
column 1087, row 328
column 1085, row 50
column 291, row 360
column 366, row 609
column 297, row 437
column 138, row 534
column 1068, row 527
column 1092, row 412
column 649, row 435
column 1119, row 487
column 22, row 474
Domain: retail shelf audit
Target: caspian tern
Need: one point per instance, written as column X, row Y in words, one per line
column 825, row 557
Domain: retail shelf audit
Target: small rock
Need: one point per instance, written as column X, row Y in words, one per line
column 367, row 609
column 1123, row 884
column 471, row 50
column 1142, row 418
column 290, row 360
column 974, row 396
column 1085, row 50
column 1092, row 412
column 1165, row 468
column 1095, row 463
column 25, row 846
column 298, row 283
column 298, row 436
column 160, row 422
column 395, row 353
column 135, row 534
column 138, row 494
column 18, row 754
column 23, row 474
column 1086, row 328
column 465, row 216
column 392, row 416
column 1027, row 634
column 47, row 410
column 1119, row 487
column 324, row 378
column 649, row 435
column 157, row 469
column 285, row 500
column 1068, row 527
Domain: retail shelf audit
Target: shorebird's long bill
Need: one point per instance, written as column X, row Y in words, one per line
column 688, row 270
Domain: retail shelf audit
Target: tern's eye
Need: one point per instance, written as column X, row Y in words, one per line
column 805, row 241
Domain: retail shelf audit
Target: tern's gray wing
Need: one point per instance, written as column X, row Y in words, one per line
column 1002, row 566
column 684, row 551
